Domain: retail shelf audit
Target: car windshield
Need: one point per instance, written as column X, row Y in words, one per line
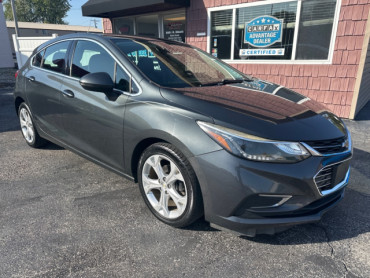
column 177, row 65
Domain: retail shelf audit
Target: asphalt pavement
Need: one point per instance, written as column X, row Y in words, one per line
column 63, row 216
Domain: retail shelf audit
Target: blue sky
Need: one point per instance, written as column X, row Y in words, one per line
column 74, row 16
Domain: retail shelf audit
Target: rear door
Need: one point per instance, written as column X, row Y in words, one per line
column 44, row 79
column 93, row 121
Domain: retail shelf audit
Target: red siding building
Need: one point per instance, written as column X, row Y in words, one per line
column 320, row 48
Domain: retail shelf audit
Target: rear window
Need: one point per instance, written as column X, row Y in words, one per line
column 55, row 57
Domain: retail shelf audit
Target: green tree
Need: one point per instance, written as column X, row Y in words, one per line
column 45, row 11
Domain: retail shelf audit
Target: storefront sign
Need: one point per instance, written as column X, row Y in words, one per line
column 262, row 52
column 263, row 31
column 174, row 30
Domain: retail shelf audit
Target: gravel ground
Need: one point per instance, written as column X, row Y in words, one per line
column 63, row 216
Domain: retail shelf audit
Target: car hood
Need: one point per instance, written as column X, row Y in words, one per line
column 262, row 109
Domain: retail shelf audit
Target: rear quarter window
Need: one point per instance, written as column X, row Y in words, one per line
column 37, row 59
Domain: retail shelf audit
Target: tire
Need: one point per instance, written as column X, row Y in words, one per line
column 169, row 186
column 28, row 127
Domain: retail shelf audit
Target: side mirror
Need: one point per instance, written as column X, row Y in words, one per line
column 97, row 82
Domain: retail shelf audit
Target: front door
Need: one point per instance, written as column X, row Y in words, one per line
column 93, row 121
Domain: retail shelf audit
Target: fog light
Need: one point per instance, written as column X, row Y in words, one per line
column 271, row 201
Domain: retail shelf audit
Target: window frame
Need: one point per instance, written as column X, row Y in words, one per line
column 295, row 38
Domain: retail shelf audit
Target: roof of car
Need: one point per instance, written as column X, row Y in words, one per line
column 135, row 37
column 103, row 36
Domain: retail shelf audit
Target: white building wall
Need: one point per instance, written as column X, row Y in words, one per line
column 6, row 59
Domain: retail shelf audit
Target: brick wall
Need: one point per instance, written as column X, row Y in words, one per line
column 332, row 84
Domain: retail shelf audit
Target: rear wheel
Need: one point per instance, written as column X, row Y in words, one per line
column 28, row 129
column 169, row 186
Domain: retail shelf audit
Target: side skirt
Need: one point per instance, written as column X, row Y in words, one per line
column 63, row 145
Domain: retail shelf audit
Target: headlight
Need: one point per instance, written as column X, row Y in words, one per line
column 255, row 148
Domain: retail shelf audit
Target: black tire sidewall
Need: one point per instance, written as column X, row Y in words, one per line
column 192, row 210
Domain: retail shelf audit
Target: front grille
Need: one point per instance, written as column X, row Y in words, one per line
column 324, row 179
column 329, row 146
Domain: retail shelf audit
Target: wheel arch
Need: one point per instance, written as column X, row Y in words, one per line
column 18, row 101
column 150, row 139
column 139, row 149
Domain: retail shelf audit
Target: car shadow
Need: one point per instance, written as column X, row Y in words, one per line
column 51, row 146
column 364, row 114
column 201, row 225
column 8, row 116
column 343, row 222
column 361, row 162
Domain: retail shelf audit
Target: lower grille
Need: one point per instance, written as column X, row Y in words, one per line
column 324, row 179
column 332, row 175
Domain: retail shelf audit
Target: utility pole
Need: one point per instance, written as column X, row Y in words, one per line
column 15, row 18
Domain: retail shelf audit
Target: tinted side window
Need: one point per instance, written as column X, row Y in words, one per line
column 55, row 57
column 37, row 59
column 90, row 57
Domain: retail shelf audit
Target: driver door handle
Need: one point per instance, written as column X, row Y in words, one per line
column 68, row 93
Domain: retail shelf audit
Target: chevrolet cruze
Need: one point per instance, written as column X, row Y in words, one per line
column 199, row 137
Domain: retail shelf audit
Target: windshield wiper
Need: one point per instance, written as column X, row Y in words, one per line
column 222, row 82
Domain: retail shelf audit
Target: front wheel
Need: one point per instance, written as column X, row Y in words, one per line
column 169, row 186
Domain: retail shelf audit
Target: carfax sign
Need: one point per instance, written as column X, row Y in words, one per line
column 263, row 31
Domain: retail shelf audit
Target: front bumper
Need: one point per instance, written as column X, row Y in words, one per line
column 264, row 198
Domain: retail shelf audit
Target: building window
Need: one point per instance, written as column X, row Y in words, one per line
column 315, row 28
column 147, row 26
column 124, row 26
column 174, row 27
column 221, row 32
column 289, row 30
column 169, row 25
column 282, row 11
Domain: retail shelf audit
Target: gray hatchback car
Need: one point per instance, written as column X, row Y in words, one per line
column 200, row 137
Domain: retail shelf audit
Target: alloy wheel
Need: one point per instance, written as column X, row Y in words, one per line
column 164, row 186
column 26, row 125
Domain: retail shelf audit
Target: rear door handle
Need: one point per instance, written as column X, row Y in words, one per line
column 68, row 93
column 31, row 78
